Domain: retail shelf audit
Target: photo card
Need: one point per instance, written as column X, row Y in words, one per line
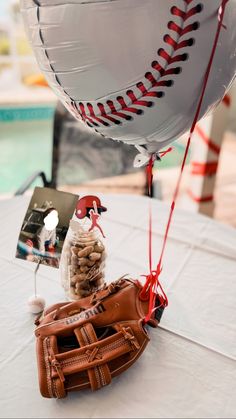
column 45, row 226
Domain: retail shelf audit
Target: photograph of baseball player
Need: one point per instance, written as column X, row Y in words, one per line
column 45, row 226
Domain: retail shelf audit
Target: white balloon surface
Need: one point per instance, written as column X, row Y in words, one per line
column 133, row 69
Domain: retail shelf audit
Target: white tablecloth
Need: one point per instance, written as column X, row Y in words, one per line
column 188, row 369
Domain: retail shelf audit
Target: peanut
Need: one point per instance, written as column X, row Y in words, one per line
column 94, row 256
column 84, row 269
column 82, row 245
column 99, row 248
column 91, row 263
column 74, row 260
column 74, row 250
column 85, row 252
column 73, row 280
column 78, row 278
column 83, row 285
column 83, row 262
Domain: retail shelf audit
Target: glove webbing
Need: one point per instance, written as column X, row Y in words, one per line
column 89, row 358
column 99, row 376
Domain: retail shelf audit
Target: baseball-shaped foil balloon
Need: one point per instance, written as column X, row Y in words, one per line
column 134, row 69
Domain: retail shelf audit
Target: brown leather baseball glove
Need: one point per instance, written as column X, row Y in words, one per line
column 86, row 343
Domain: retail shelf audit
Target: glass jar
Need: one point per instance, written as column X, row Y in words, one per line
column 82, row 262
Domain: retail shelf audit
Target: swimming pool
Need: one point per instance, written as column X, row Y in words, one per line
column 26, row 145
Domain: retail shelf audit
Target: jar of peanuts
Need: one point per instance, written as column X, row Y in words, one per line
column 82, row 261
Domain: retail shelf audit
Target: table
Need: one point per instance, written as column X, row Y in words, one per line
column 188, row 369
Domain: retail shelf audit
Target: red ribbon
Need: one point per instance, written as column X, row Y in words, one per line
column 200, row 199
column 227, row 100
column 209, row 142
column 163, row 153
column 204, row 169
column 149, row 173
column 152, row 285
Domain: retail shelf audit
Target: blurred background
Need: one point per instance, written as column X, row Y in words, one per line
column 41, row 143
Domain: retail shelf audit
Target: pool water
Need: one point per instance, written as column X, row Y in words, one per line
column 174, row 158
column 25, row 147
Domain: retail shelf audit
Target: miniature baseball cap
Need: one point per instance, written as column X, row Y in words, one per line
column 87, row 203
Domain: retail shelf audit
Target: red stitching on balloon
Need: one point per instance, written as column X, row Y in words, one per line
column 127, row 108
column 111, row 105
column 122, row 109
column 105, row 115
